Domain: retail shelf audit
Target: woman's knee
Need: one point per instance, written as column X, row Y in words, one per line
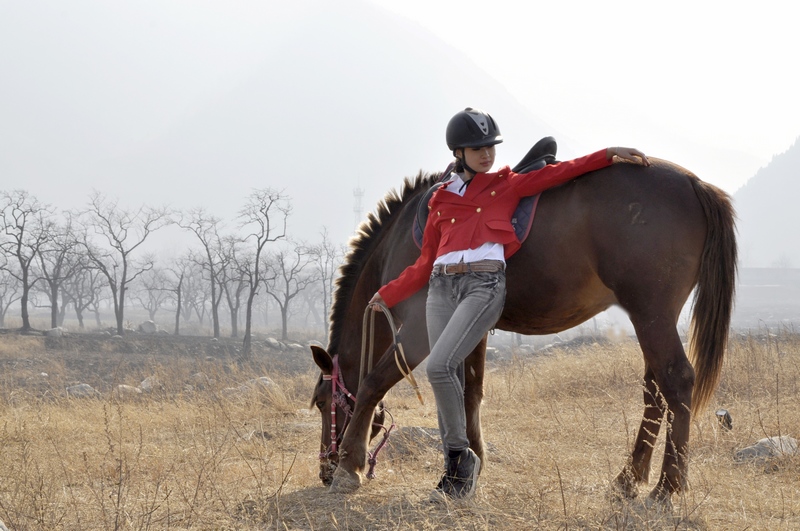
column 438, row 370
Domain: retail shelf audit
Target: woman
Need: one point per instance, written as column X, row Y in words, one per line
column 467, row 238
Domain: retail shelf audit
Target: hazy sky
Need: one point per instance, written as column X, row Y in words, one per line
column 679, row 79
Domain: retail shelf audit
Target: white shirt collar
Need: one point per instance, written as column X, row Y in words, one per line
column 456, row 184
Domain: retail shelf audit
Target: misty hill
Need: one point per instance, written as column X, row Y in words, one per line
column 297, row 112
column 769, row 217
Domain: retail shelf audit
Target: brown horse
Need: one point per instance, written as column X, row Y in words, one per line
column 638, row 237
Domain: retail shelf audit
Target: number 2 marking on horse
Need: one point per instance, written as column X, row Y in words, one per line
column 636, row 210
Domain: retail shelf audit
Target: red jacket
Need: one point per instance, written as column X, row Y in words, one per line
column 483, row 215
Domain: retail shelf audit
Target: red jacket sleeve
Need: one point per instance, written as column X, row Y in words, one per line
column 552, row 175
column 415, row 276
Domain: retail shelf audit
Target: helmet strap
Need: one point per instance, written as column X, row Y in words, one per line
column 463, row 160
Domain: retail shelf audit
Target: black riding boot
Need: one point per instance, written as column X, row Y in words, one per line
column 460, row 477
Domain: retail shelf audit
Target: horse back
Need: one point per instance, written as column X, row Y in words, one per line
column 626, row 235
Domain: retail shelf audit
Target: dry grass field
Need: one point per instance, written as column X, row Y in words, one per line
column 191, row 455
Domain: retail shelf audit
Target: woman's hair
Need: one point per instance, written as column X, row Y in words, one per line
column 459, row 167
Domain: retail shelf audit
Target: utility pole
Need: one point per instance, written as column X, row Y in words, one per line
column 358, row 194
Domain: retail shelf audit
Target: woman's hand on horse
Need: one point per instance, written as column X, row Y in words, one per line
column 375, row 302
column 629, row 154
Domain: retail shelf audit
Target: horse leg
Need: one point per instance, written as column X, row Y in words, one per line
column 637, row 469
column 674, row 377
column 473, row 396
column 353, row 450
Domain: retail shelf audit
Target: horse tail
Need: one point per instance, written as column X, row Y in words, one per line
column 714, row 293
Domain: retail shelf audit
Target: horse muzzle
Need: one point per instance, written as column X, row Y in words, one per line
column 328, row 463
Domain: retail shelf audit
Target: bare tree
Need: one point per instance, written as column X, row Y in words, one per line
column 9, row 293
column 175, row 279
column 264, row 216
column 326, row 258
column 152, row 291
column 84, row 289
column 312, row 305
column 26, row 227
column 122, row 232
column 233, row 279
column 206, row 228
column 194, row 295
column 58, row 261
column 288, row 278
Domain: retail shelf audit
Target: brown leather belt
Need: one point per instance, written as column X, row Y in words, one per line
column 483, row 266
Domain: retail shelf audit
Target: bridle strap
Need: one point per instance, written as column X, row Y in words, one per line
column 336, row 382
column 368, row 315
column 338, row 390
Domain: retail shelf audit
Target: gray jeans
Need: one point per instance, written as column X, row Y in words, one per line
column 460, row 310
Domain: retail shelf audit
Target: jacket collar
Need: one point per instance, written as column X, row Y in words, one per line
column 479, row 183
column 485, row 180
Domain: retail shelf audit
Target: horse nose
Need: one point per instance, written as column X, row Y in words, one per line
column 326, row 470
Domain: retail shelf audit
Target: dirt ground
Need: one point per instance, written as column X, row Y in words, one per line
column 47, row 365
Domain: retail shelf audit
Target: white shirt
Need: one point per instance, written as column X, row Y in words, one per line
column 487, row 251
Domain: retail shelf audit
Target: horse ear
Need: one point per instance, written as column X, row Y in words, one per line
column 322, row 359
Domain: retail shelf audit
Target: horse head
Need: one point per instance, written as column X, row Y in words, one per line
column 336, row 404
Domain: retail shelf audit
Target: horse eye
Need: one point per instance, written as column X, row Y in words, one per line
column 320, row 404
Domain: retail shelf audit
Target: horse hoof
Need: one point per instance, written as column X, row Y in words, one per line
column 620, row 493
column 344, row 482
column 659, row 501
column 624, row 487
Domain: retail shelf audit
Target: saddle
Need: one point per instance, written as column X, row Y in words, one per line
column 541, row 154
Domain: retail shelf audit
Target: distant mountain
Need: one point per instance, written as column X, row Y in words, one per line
column 768, row 207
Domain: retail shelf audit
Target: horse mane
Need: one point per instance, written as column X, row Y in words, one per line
column 362, row 244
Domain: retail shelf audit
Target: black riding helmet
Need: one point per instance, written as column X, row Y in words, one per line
column 472, row 128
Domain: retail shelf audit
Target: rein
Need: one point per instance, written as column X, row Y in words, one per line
column 369, row 314
column 340, row 394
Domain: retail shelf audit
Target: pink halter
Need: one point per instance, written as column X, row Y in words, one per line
column 337, row 398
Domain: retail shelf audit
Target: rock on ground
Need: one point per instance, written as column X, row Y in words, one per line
column 82, row 391
column 150, row 384
column 126, row 391
column 148, row 327
column 55, row 332
column 766, row 449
